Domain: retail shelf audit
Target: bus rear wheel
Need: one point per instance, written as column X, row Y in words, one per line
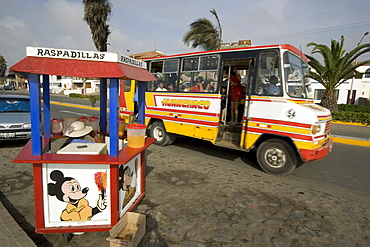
column 276, row 157
column 158, row 132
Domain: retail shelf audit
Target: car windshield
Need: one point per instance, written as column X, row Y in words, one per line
column 295, row 75
column 14, row 105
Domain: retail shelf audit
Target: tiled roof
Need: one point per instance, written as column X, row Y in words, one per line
column 148, row 54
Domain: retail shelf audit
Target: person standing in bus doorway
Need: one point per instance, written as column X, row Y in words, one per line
column 223, row 105
column 236, row 94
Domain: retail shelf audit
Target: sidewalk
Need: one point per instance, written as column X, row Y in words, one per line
column 11, row 234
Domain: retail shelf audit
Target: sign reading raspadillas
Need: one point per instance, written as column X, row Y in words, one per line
column 83, row 55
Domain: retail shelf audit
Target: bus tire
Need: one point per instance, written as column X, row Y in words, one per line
column 158, row 132
column 276, row 157
column 172, row 138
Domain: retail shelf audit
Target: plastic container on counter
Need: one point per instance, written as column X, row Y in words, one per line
column 83, row 119
column 136, row 135
column 94, row 122
column 57, row 126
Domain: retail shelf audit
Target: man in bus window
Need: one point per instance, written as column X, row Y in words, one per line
column 272, row 88
column 161, row 87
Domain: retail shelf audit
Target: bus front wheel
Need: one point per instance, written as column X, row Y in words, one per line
column 158, row 132
column 276, row 157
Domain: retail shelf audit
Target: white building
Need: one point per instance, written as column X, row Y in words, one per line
column 67, row 85
column 360, row 87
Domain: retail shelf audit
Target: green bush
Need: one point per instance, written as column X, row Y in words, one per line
column 352, row 113
column 354, row 117
column 353, row 108
column 75, row 95
column 93, row 99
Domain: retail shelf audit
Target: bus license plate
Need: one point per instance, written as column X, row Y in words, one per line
column 7, row 135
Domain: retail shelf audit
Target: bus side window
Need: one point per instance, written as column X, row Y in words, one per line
column 165, row 72
column 199, row 74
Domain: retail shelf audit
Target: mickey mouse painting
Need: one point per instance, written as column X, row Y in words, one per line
column 68, row 189
column 125, row 180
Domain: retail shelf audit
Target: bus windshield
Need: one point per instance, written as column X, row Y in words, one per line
column 295, row 71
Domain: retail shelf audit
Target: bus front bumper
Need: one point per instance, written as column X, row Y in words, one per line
column 309, row 155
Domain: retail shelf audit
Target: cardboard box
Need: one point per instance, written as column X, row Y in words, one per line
column 128, row 231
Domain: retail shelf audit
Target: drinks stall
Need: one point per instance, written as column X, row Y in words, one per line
column 89, row 187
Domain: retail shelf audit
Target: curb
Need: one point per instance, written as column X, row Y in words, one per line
column 350, row 123
column 351, row 140
column 11, row 234
column 74, row 105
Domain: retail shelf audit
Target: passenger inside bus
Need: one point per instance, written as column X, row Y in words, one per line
column 272, row 87
column 161, row 87
column 198, row 87
column 206, row 86
column 170, row 88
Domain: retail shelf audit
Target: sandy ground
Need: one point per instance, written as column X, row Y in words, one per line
column 192, row 201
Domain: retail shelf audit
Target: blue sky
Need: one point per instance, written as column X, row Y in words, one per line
column 145, row 25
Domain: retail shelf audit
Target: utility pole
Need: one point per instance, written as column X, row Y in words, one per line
column 350, row 96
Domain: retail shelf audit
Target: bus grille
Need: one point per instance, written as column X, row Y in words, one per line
column 327, row 127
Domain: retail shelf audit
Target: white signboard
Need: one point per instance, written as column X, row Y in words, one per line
column 76, row 195
column 83, row 55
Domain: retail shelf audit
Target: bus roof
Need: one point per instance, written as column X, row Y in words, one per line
column 259, row 47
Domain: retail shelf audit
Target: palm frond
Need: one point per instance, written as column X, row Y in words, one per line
column 204, row 34
column 337, row 66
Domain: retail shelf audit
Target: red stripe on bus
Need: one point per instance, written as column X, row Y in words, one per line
column 280, row 122
column 269, row 131
column 283, row 46
column 326, row 116
column 126, row 112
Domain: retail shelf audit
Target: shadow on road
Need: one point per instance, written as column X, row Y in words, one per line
column 38, row 239
column 207, row 148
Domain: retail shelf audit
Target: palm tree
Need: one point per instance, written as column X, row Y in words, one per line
column 338, row 67
column 96, row 15
column 204, row 34
column 3, row 67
